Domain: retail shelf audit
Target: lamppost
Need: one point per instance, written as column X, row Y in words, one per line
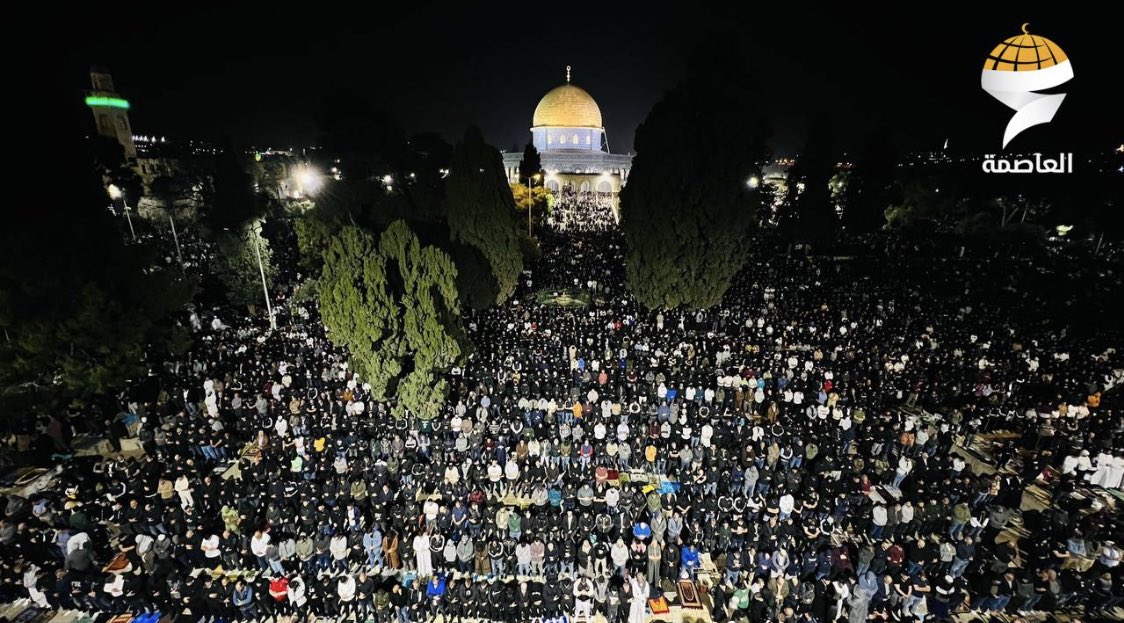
column 261, row 269
column 175, row 237
column 116, row 193
column 531, row 199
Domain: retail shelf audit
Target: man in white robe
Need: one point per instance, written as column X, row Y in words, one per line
column 637, row 611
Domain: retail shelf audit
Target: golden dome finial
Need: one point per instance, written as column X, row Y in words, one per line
column 568, row 72
column 1025, row 24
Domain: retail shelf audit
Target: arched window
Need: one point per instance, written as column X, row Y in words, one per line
column 585, row 186
column 588, row 139
column 604, row 187
column 549, row 138
column 575, row 141
column 552, row 186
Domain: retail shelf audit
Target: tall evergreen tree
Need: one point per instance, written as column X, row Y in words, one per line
column 232, row 202
column 687, row 210
column 481, row 210
column 236, row 263
column 809, row 213
column 870, row 185
column 530, row 164
column 393, row 304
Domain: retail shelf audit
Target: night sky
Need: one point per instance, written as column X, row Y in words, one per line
column 258, row 75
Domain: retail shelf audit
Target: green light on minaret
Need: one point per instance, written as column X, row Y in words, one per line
column 94, row 101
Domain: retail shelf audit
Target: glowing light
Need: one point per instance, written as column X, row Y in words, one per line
column 388, row 180
column 753, row 182
column 100, row 101
column 308, row 180
column 1063, row 229
column 114, row 192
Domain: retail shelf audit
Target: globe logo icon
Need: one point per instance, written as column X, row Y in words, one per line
column 1017, row 68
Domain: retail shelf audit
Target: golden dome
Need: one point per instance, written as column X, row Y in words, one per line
column 1025, row 52
column 567, row 106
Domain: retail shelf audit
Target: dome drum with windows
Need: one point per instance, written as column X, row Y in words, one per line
column 567, row 118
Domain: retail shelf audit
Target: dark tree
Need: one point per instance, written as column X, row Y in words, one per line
column 386, row 173
column 393, row 303
column 169, row 191
column 82, row 312
column 110, row 161
column 530, row 164
column 232, row 202
column 809, row 215
column 481, row 211
column 236, row 264
column 356, row 129
column 687, row 210
column 870, row 185
column 1095, row 202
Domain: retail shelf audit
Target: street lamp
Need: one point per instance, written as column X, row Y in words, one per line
column 261, row 269
column 116, row 193
column 175, row 237
column 531, row 199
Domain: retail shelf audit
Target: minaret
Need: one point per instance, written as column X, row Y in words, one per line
column 111, row 111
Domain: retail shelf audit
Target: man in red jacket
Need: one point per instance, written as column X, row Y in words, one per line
column 279, row 590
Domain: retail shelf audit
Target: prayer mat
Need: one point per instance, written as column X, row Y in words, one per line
column 24, row 477
column 44, row 617
column 659, row 605
column 688, row 595
column 32, row 614
column 119, row 564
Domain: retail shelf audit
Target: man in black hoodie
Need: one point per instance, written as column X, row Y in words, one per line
column 364, row 595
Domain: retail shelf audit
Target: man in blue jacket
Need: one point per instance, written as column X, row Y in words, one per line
column 689, row 559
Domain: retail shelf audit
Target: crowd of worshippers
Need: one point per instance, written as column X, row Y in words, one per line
column 576, row 211
column 795, row 454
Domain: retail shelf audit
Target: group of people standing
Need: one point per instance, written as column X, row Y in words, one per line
column 835, row 441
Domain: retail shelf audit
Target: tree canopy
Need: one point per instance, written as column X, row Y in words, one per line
column 809, row 214
column 687, row 209
column 236, row 264
column 870, row 186
column 232, row 202
column 530, row 164
column 81, row 310
column 393, row 304
column 481, row 210
column 386, row 172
